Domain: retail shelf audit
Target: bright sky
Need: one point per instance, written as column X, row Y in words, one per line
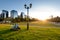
column 41, row 9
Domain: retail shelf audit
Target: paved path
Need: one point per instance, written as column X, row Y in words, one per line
column 41, row 26
column 55, row 23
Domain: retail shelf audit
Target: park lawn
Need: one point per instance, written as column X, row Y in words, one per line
column 34, row 33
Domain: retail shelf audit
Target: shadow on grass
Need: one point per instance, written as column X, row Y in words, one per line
column 4, row 34
column 9, row 31
column 6, row 31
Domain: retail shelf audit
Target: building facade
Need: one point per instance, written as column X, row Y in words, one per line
column 14, row 14
column 4, row 14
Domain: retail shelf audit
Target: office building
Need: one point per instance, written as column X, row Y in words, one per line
column 4, row 14
column 14, row 14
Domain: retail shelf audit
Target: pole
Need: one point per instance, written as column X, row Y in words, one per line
column 27, row 18
column 26, row 7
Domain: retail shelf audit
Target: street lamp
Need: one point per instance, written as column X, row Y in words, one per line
column 28, row 7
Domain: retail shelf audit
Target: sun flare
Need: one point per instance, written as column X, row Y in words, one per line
column 43, row 13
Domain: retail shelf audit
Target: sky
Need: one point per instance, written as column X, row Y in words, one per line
column 41, row 9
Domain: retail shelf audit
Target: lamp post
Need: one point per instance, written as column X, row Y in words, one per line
column 28, row 7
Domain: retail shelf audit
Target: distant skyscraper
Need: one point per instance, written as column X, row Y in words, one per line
column 22, row 14
column 0, row 15
column 4, row 14
column 14, row 14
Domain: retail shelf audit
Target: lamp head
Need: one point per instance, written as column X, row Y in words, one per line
column 25, row 5
column 30, row 5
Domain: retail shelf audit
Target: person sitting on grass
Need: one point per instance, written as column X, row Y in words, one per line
column 15, row 27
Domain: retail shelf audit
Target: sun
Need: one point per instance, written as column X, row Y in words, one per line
column 43, row 13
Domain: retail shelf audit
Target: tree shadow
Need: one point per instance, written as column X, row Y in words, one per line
column 4, row 34
column 9, row 31
column 6, row 31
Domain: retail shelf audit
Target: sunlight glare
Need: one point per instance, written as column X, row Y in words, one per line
column 43, row 13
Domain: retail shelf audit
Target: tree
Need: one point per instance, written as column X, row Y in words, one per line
column 54, row 19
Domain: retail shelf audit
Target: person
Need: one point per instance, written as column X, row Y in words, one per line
column 15, row 27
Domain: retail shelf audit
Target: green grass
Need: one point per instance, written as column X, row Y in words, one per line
column 34, row 33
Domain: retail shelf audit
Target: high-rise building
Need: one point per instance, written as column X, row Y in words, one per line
column 4, row 14
column 14, row 14
column 0, row 15
column 22, row 14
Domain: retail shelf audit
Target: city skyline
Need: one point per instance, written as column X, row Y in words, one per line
column 13, row 14
column 41, row 9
